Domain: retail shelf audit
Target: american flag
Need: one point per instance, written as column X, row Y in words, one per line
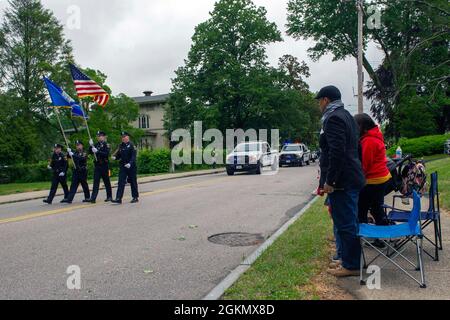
column 86, row 87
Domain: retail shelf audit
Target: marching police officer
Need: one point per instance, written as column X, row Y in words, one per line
column 59, row 166
column 101, row 151
column 80, row 173
column 128, row 169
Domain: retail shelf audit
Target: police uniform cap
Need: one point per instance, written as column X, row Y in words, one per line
column 57, row 145
column 101, row 134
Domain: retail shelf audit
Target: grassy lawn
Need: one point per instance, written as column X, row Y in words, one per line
column 13, row 188
column 443, row 168
column 289, row 268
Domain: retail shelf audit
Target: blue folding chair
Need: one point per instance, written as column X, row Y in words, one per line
column 430, row 217
column 412, row 230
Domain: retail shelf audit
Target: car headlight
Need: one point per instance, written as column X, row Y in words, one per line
column 253, row 159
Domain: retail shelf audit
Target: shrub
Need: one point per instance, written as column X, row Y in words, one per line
column 420, row 147
column 152, row 162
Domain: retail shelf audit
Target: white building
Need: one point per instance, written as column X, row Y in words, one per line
column 151, row 120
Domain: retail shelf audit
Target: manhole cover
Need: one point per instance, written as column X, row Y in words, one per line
column 237, row 239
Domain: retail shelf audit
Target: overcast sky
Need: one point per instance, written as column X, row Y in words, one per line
column 139, row 43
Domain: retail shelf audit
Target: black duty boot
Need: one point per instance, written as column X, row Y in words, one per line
column 117, row 201
column 109, row 200
column 135, row 200
column 65, row 201
column 87, row 200
column 46, row 201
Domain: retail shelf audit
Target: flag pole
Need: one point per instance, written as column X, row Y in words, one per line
column 87, row 127
column 63, row 133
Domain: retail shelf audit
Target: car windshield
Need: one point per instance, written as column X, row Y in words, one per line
column 248, row 147
column 292, row 149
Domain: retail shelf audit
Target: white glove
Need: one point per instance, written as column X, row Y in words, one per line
column 71, row 154
column 69, row 151
column 91, row 143
column 128, row 166
column 94, row 150
column 114, row 158
column 62, row 174
column 49, row 168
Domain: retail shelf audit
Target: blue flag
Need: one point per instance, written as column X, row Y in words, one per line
column 77, row 111
column 61, row 99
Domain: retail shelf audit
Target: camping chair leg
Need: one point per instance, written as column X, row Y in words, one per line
column 440, row 233
column 436, row 240
column 419, row 243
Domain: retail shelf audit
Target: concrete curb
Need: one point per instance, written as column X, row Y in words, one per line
column 226, row 283
column 145, row 180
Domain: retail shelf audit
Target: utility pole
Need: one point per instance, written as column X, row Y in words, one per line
column 359, row 4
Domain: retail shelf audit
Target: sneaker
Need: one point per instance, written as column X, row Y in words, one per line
column 335, row 264
column 341, row 272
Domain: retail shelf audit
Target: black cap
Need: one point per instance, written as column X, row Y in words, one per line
column 101, row 134
column 57, row 145
column 78, row 143
column 330, row 92
column 124, row 134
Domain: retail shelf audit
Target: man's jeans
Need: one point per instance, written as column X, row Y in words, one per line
column 344, row 210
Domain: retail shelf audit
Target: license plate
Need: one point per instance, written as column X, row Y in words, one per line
column 239, row 167
column 288, row 161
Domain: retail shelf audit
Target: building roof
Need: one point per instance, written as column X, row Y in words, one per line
column 152, row 99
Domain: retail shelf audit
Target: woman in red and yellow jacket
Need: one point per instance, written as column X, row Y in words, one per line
column 374, row 163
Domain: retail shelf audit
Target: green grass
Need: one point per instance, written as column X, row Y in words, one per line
column 13, row 188
column 443, row 168
column 285, row 271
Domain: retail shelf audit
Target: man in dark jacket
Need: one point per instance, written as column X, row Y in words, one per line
column 128, row 169
column 341, row 177
column 59, row 166
column 80, row 174
column 101, row 151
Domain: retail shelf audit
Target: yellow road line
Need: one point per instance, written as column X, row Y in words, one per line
column 34, row 215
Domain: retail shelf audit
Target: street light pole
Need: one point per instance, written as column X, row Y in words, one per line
column 359, row 4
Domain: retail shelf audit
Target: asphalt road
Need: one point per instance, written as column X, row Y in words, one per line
column 157, row 249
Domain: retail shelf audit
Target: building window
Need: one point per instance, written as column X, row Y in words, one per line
column 144, row 122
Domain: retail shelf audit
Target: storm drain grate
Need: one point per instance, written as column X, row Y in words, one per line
column 237, row 239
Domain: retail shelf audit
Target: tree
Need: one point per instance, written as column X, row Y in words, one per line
column 20, row 141
column 413, row 36
column 226, row 69
column 228, row 83
column 32, row 45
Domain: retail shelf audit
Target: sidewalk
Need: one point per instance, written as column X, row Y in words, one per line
column 397, row 286
column 26, row 196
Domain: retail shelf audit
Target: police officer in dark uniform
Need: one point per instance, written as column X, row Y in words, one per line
column 128, row 169
column 59, row 166
column 101, row 151
column 80, row 174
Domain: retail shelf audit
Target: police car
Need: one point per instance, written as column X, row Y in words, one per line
column 252, row 157
column 295, row 155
